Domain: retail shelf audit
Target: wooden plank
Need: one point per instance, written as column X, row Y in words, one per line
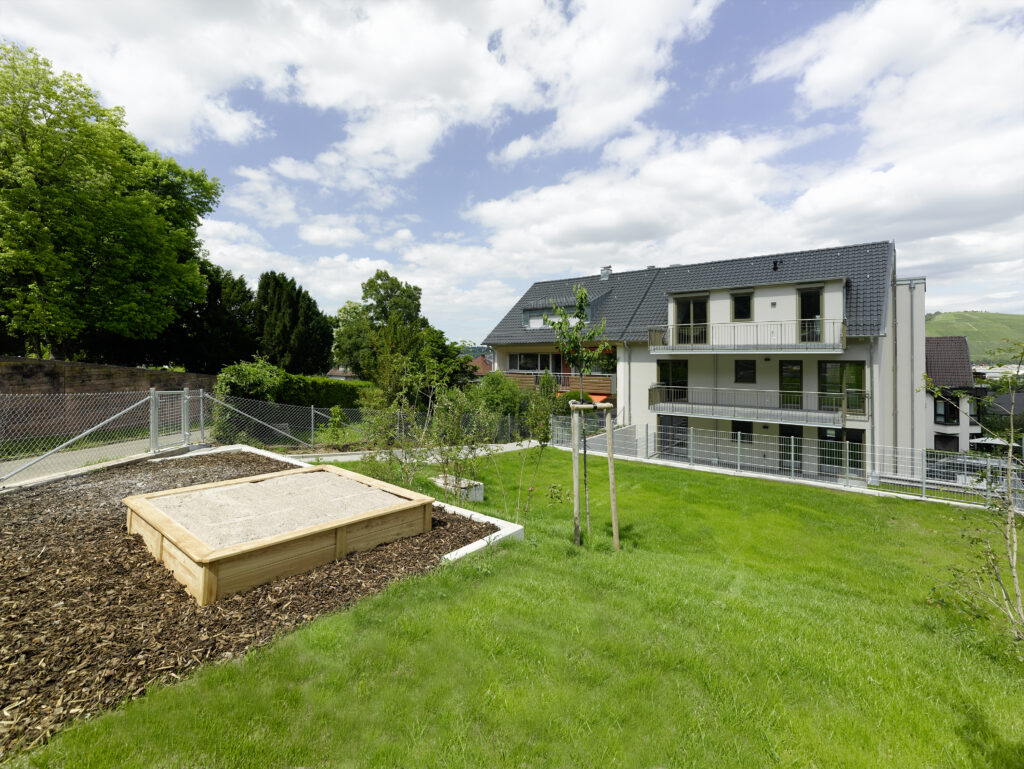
column 185, row 570
column 340, row 542
column 197, row 549
column 208, row 590
column 250, row 569
column 368, row 534
column 152, row 538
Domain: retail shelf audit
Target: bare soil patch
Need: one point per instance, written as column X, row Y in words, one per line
column 88, row 618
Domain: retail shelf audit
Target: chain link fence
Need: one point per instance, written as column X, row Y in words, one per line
column 41, row 435
column 943, row 475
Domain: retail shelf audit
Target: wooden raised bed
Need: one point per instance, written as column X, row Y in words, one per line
column 210, row 573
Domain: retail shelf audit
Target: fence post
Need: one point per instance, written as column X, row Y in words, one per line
column 924, row 473
column 739, row 448
column 312, row 422
column 647, row 441
column 846, row 463
column 792, row 457
column 690, row 449
column 154, row 420
column 988, row 480
column 202, row 416
column 509, row 428
column 185, row 421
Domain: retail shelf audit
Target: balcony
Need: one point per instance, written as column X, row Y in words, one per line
column 779, row 336
column 783, row 406
column 594, row 384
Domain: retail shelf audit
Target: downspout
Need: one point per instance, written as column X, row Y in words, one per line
column 895, row 358
column 629, row 383
column 913, row 372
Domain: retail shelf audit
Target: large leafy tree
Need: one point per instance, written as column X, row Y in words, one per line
column 291, row 331
column 387, row 339
column 207, row 335
column 97, row 232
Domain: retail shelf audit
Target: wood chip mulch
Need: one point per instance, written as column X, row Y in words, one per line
column 88, row 618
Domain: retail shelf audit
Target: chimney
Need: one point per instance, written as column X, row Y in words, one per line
column 606, row 271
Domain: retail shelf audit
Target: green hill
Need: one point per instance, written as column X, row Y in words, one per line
column 985, row 331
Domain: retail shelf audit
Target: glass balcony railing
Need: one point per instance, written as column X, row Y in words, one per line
column 825, row 408
column 817, row 334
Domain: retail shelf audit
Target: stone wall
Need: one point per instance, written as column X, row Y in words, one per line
column 49, row 377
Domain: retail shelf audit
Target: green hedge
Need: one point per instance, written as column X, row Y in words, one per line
column 262, row 381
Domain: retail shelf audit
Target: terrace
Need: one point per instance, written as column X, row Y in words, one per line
column 816, row 335
column 796, row 407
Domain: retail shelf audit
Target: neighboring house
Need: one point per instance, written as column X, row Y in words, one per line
column 954, row 412
column 824, row 344
column 341, row 374
column 482, row 365
column 481, row 359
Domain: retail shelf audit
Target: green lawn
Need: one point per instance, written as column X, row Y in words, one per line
column 744, row 624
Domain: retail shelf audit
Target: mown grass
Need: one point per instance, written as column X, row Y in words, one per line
column 745, row 623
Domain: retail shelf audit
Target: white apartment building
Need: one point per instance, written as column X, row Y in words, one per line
column 825, row 344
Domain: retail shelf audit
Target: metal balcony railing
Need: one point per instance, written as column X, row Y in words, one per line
column 821, row 334
column 795, row 406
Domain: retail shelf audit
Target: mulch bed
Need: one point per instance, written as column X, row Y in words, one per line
column 88, row 618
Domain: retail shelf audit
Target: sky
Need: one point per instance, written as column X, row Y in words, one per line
column 474, row 148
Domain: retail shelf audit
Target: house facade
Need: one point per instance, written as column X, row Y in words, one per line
column 825, row 344
column 954, row 412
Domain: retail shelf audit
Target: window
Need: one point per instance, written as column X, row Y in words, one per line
column 745, row 429
column 691, row 321
column 534, row 319
column 742, row 307
column 946, row 413
column 534, row 361
column 832, row 375
column 746, row 372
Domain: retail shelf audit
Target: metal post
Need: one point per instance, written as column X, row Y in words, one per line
column 792, row 457
column 202, row 416
column 312, row 422
column 739, row 448
column 185, row 421
column 846, row 462
column 154, row 420
column 575, row 476
column 509, row 428
column 988, row 479
column 924, row 473
column 647, row 441
column 691, row 449
column 611, row 477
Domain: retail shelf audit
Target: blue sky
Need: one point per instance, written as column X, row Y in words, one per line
column 473, row 148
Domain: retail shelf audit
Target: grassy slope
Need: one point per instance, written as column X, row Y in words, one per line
column 746, row 623
column 985, row 331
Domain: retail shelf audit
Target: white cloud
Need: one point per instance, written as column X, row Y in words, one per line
column 262, row 198
column 332, row 280
column 600, row 69
column 331, row 230
column 400, row 75
column 396, row 241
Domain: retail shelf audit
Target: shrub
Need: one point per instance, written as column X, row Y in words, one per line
column 562, row 402
column 263, row 381
column 499, row 395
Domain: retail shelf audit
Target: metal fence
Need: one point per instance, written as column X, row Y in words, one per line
column 950, row 476
column 42, row 435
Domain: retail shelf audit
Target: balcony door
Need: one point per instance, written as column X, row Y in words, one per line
column 834, row 377
column 673, row 375
column 791, row 384
column 810, row 315
column 691, row 320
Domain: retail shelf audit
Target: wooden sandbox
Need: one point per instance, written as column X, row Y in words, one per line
column 222, row 538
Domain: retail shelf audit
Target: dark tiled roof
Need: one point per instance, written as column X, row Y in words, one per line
column 948, row 361
column 631, row 302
